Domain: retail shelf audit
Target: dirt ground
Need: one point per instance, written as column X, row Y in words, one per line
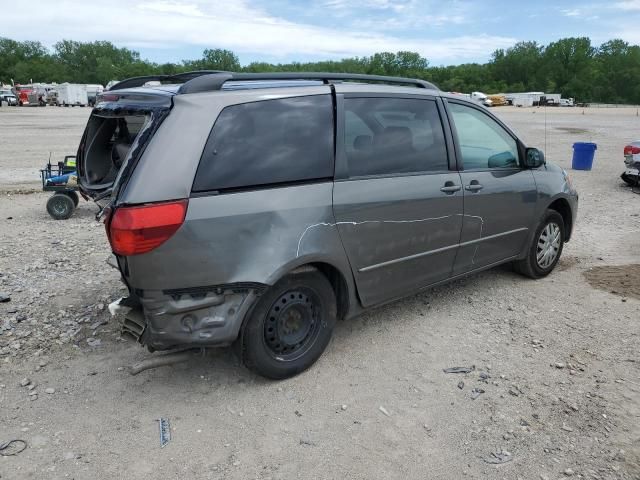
column 558, row 359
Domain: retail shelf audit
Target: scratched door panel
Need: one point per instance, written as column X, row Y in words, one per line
column 497, row 218
column 400, row 233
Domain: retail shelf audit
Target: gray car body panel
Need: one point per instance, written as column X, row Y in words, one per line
column 387, row 236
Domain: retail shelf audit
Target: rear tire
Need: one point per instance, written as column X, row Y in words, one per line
column 60, row 206
column 290, row 326
column 74, row 196
column 546, row 247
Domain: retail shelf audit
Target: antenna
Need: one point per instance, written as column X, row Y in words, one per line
column 545, row 128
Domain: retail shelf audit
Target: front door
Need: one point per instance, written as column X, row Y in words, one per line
column 397, row 198
column 499, row 194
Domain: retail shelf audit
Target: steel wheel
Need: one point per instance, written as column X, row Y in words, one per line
column 292, row 323
column 548, row 245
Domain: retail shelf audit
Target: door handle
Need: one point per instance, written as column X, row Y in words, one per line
column 450, row 187
column 474, row 186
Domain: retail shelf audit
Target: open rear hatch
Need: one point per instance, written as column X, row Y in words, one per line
column 120, row 127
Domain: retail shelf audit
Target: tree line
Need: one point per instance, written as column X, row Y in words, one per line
column 571, row 66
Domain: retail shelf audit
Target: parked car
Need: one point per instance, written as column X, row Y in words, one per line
column 258, row 209
column 632, row 163
column 8, row 97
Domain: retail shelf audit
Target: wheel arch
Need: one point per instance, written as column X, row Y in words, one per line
column 563, row 207
column 341, row 281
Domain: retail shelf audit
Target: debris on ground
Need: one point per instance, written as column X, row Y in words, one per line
column 476, row 392
column 165, row 431
column 12, row 447
column 116, row 308
column 459, row 369
column 384, row 410
column 497, row 458
column 4, row 298
column 460, row 384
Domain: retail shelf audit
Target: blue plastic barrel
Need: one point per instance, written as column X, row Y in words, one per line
column 583, row 153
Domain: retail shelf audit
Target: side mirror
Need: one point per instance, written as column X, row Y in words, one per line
column 534, row 158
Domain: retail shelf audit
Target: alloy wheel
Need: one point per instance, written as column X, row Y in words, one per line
column 548, row 245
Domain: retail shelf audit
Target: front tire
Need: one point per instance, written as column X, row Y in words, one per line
column 290, row 326
column 546, row 247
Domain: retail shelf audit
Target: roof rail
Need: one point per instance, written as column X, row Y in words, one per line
column 178, row 77
column 215, row 81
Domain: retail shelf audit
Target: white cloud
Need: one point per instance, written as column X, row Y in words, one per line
column 628, row 5
column 236, row 25
column 395, row 6
column 571, row 12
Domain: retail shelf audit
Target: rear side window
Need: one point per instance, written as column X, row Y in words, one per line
column 386, row 136
column 268, row 142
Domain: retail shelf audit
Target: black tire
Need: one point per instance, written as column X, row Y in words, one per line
column 530, row 266
column 290, row 326
column 60, row 206
column 75, row 197
column 631, row 180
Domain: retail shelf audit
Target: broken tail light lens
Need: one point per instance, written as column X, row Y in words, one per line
column 138, row 229
column 631, row 150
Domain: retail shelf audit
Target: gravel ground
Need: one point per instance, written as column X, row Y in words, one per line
column 557, row 359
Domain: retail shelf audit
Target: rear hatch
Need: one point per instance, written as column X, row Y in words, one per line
column 119, row 129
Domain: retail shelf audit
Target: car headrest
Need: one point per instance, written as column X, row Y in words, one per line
column 362, row 142
column 396, row 137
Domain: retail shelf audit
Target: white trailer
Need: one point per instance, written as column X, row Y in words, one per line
column 72, row 94
column 552, row 99
column 523, row 99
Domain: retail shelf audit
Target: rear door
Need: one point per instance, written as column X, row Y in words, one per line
column 397, row 197
column 116, row 134
column 499, row 193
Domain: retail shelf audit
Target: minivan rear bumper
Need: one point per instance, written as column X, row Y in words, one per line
column 162, row 320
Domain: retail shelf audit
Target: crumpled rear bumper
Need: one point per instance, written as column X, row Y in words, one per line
column 191, row 317
column 166, row 320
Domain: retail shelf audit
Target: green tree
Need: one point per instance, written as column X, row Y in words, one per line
column 570, row 64
column 215, row 59
column 519, row 64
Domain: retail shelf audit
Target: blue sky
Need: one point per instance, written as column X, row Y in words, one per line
column 445, row 32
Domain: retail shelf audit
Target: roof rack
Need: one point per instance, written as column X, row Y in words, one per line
column 205, row 82
column 178, row 77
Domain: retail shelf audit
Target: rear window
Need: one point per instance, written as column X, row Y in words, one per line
column 268, row 142
column 387, row 136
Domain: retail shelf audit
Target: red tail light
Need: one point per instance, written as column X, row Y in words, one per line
column 141, row 228
column 631, row 150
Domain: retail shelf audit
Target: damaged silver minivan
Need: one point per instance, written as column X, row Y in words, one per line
column 257, row 209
